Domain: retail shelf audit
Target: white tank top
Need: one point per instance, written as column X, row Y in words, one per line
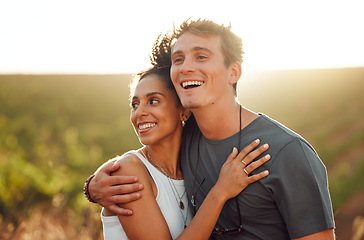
column 166, row 199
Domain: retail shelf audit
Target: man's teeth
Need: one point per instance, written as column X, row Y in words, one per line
column 191, row 83
column 145, row 126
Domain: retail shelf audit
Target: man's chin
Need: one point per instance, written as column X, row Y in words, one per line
column 191, row 106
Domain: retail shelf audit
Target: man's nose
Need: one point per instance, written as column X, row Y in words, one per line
column 187, row 66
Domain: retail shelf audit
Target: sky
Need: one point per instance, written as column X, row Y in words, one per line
column 115, row 36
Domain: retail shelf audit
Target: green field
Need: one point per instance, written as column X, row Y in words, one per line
column 55, row 130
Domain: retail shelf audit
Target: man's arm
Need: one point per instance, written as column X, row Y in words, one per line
column 304, row 198
column 324, row 235
column 108, row 191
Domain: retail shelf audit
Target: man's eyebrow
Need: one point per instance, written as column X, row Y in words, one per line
column 197, row 48
column 202, row 49
column 176, row 52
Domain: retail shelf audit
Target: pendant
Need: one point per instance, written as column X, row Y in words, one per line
column 181, row 205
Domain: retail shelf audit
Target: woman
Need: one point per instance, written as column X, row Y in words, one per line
column 163, row 212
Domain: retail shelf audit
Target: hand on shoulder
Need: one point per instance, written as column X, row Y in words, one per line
column 131, row 165
column 128, row 163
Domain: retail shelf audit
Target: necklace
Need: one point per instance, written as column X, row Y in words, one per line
column 160, row 168
column 173, row 187
column 194, row 193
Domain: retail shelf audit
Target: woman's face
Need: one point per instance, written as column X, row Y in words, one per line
column 155, row 114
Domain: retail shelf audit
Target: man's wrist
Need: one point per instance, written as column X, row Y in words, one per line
column 85, row 188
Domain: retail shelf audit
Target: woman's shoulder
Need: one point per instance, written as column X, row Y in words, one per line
column 130, row 164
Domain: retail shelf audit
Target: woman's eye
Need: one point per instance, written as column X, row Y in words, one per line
column 153, row 101
column 134, row 105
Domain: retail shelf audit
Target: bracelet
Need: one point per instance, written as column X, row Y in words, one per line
column 85, row 189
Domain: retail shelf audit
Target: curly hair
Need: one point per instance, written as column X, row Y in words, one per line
column 160, row 56
column 160, row 59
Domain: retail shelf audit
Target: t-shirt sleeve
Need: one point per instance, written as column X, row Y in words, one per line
column 300, row 188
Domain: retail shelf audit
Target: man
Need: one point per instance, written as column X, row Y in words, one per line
column 293, row 202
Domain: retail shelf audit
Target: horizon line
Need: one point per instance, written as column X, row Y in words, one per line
column 131, row 73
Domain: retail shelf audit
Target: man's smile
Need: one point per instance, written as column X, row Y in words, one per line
column 191, row 84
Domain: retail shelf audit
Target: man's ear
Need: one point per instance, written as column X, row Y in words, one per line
column 235, row 72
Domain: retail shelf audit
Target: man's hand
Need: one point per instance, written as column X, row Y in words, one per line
column 108, row 191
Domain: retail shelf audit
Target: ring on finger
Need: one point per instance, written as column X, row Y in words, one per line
column 246, row 171
column 243, row 162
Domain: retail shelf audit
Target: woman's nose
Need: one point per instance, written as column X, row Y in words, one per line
column 141, row 110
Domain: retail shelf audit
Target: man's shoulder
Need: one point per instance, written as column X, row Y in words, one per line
column 274, row 129
column 277, row 135
column 285, row 144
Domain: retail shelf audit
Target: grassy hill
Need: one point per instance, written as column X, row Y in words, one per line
column 55, row 130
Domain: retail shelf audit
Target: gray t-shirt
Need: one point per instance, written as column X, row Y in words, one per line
column 291, row 202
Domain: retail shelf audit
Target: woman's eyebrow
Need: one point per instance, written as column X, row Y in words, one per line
column 155, row 93
column 150, row 94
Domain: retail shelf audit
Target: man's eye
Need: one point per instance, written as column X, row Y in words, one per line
column 178, row 60
column 201, row 57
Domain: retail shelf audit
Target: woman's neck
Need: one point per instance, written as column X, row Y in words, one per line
column 166, row 156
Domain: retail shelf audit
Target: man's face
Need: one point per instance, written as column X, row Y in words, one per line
column 198, row 71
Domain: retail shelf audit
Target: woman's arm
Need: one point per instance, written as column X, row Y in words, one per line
column 148, row 220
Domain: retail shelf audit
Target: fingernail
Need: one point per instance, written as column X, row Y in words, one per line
column 257, row 141
column 265, row 145
column 266, row 172
column 140, row 186
column 267, row 156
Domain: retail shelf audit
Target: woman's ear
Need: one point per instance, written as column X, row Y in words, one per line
column 235, row 72
column 185, row 115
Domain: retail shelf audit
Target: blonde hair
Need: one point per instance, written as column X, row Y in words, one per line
column 231, row 44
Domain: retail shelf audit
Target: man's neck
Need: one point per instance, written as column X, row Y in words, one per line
column 220, row 122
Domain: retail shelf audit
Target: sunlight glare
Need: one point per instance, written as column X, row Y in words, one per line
column 115, row 37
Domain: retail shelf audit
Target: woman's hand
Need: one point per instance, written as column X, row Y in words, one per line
column 234, row 176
